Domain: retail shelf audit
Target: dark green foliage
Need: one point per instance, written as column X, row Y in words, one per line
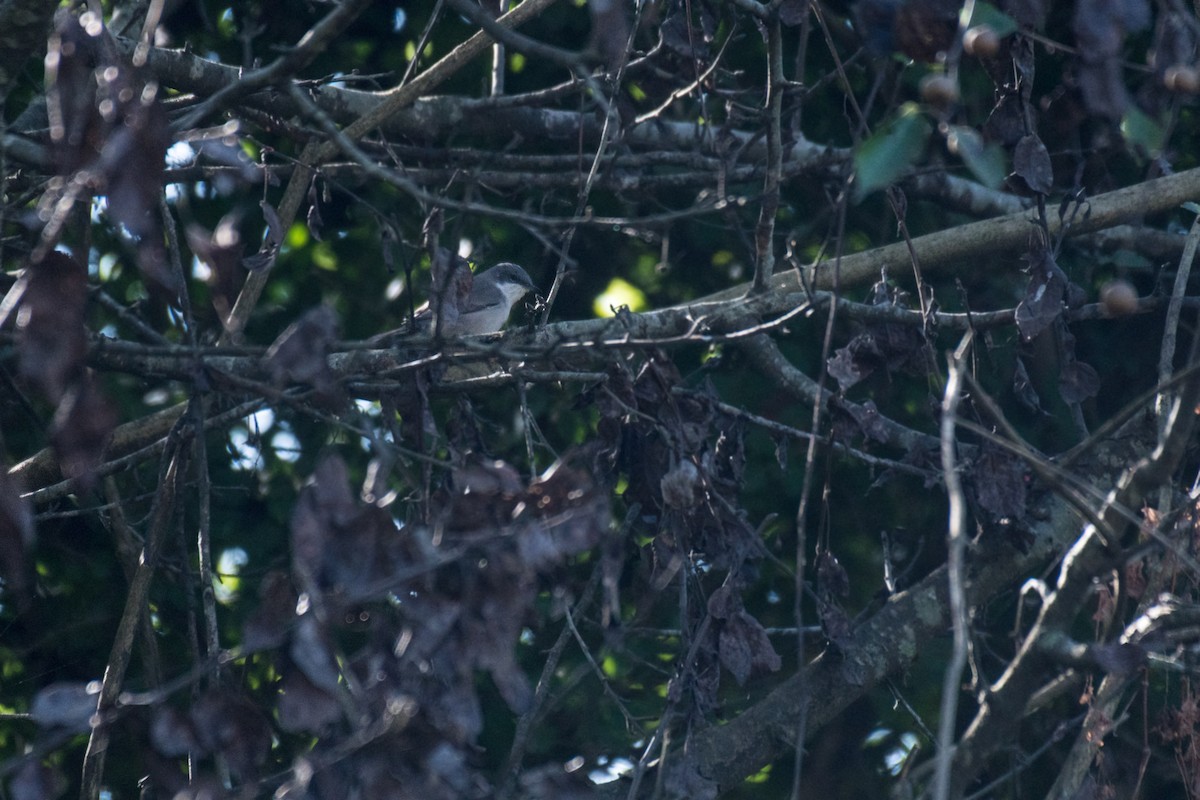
column 512, row 567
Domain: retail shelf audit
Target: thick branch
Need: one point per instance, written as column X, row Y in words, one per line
column 1089, row 556
column 887, row 643
column 959, row 249
column 410, row 110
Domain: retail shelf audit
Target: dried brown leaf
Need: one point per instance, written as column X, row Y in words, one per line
column 835, row 624
column 312, row 653
column 300, row 355
column 303, row 707
column 82, row 425
column 269, row 624
column 1031, row 163
column 171, row 732
column 832, row 578
column 16, row 537
column 34, row 780
column 847, row 365
column 323, row 506
column 1078, row 381
column 232, row 726
column 745, row 649
column 75, row 121
column 1000, row 483
column 221, row 251
column 53, row 339
column 1043, row 301
column 66, row 706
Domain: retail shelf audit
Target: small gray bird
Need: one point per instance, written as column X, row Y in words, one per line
column 485, row 310
column 493, row 294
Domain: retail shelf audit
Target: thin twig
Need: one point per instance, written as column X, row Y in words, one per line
column 764, row 232
column 161, row 515
column 1166, row 357
column 956, row 546
column 525, row 723
column 310, row 46
column 208, row 598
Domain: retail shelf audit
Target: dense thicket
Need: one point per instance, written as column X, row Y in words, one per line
column 848, row 451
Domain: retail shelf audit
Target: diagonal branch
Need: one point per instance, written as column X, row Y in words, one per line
column 1002, row 708
column 885, row 644
column 161, row 514
column 956, row 547
column 955, row 247
column 311, row 45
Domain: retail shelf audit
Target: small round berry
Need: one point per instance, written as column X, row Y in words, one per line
column 981, row 41
column 939, row 91
column 1119, row 297
column 1183, row 79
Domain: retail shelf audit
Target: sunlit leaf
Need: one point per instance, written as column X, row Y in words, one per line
column 1143, row 130
column 618, row 294
column 888, row 154
column 986, row 160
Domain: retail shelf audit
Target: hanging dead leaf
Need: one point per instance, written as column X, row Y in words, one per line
column 221, row 251
column 1043, row 301
column 1078, row 381
column 81, row 428
column 171, row 733
column 1031, row 163
column 270, row 624
column 53, row 339
column 16, row 538
column 232, row 726
column 300, row 355
column 67, row 706
column 832, row 578
column 1000, row 483
column 303, row 707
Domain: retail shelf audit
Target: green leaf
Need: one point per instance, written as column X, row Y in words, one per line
column 988, row 14
column 1128, row 259
column 888, row 154
column 1143, row 130
column 987, row 162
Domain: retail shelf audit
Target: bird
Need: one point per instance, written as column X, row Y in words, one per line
column 493, row 294
column 484, row 310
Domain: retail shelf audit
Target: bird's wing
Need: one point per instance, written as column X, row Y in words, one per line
column 477, row 305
